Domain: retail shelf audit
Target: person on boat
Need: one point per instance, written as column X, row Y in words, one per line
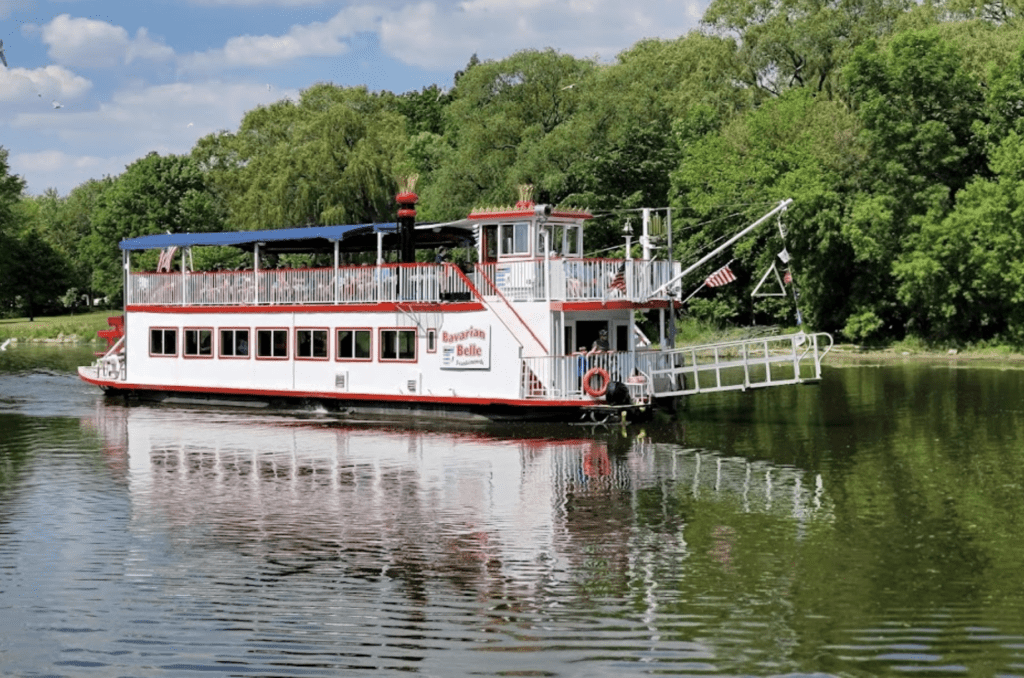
column 581, row 364
column 601, row 343
column 442, row 255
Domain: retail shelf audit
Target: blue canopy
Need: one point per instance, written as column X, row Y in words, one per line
column 240, row 238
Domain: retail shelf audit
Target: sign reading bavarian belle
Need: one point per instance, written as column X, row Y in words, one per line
column 468, row 349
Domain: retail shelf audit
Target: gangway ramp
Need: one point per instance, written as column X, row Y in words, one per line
column 736, row 365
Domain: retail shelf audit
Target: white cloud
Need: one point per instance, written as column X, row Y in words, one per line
column 88, row 43
column 127, row 127
column 52, row 82
column 317, row 39
column 442, row 34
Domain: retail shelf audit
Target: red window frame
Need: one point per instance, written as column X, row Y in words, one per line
column 184, row 343
column 327, row 343
column 337, row 346
column 380, row 345
column 271, row 329
column 220, row 343
column 163, row 341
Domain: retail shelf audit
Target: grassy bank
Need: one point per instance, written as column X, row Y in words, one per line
column 691, row 332
column 78, row 328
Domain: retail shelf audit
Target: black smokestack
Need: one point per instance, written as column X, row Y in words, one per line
column 406, row 223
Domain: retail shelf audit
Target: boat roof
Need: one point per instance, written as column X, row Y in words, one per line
column 351, row 237
column 324, row 234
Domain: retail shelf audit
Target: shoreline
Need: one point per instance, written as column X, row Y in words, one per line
column 856, row 354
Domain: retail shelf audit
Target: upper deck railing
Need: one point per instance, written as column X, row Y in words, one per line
column 569, row 280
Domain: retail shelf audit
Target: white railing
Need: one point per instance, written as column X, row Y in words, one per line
column 581, row 279
column 736, row 365
column 570, row 280
column 725, row 366
column 426, row 283
column 562, row 377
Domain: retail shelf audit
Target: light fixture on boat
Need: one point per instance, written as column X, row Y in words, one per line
column 543, row 211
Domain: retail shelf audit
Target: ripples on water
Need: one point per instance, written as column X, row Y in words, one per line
column 805, row 533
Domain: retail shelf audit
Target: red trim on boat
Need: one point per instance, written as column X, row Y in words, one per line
column 617, row 304
column 270, row 393
column 383, row 307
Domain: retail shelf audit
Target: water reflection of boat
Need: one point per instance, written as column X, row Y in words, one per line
column 370, row 490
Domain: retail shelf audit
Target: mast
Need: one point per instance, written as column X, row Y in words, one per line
column 718, row 250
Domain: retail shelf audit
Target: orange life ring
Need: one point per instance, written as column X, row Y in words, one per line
column 599, row 372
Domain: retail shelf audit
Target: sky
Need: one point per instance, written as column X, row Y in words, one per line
column 91, row 86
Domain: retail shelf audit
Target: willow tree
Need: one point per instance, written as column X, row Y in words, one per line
column 330, row 158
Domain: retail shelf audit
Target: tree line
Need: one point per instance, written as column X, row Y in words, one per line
column 894, row 126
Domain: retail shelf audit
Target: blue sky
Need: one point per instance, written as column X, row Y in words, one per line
column 92, row 85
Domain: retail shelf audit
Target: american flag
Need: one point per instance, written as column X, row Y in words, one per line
column 166, row 259
column 722, row 276
column 619, row 281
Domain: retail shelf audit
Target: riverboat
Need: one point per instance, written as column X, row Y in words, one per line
column 497, row 338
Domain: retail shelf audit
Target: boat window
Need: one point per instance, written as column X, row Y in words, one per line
column 311, row 344
column 234, row 343
column 353, row 344
column 198, row 342
column 398, row 344
column 490, row 242
column 431, row 341
column 515, row 238
column 572, row 240
column 163, row 341
column 272, row 343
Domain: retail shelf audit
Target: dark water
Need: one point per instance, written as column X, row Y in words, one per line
column 871, row 525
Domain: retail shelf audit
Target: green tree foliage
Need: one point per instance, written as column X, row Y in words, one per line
column 798, row 146
column 963, row 274
column 329, row 159
column 11, row 187
column 625, row 125
column 787, row 43
column 918, row 108
column 507, row 125
column 157, row 194
column 32, row 273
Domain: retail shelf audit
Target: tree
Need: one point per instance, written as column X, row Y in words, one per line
column 963, row 274
column 330, row 159
column 507, row 125
column 918, row 108
column 11, row 188
column 156, row 194
column 794, row 43
column 798, row 146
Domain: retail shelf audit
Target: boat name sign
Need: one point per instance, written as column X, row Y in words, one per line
column 468, row 349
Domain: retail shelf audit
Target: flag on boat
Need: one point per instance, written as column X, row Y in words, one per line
column 722, row 276
column 787, row 278
column 619, row 281
column 784, row 255
column 166, row 259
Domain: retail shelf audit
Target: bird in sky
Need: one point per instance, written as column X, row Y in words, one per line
column 2, row 57
column 57, row 104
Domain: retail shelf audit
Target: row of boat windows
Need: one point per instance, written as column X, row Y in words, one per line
column 274, row 344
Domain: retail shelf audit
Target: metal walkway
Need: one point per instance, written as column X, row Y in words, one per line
column 736, row 365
